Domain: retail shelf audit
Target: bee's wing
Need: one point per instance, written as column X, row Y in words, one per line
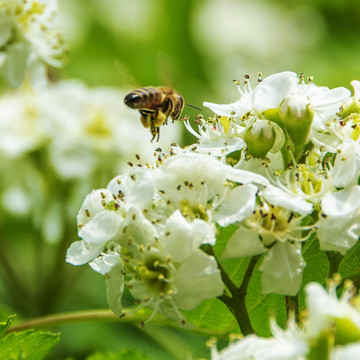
column 128, row 78
column 166, row 69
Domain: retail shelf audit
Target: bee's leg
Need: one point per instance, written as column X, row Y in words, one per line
column 153, row 128
column 171, row 107
column 166, row 110
column 147, row 117
column 155, row 133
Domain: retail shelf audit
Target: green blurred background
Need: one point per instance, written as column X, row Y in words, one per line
column 198, row 48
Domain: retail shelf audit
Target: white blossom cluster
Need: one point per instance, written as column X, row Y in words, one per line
column 329, row 331
column 305, row 140
column 146, row 228
column 29, row 40
column 279, row 164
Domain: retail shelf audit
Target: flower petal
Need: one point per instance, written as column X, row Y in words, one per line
column 277, row 197
column 244, row 242
column 238, row 204
column 282, row 269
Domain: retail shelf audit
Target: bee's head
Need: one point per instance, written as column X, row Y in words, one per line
column 133, row 100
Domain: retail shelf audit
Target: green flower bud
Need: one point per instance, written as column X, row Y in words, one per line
column 346, row 332
column 296, row 117
column 321, row 346
column 260, row 138
column 353, row 108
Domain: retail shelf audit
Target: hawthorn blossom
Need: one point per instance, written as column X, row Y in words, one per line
column 298, row 108
column 274, row 228
column 339, row 225
column 29, row 40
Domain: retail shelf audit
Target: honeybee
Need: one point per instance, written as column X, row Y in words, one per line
column 155, row 105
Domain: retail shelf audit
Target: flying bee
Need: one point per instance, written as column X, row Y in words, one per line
column 155, row 105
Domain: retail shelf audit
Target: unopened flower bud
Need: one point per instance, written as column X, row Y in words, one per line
column 352, row 108
column 260, row 138
column 346, row 332
column 297, row 117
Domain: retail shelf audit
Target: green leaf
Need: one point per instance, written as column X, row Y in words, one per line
column 5, row 325
column 261, row 306
column 317, row 267
column 125, row 354
column 222, row 237
column 213, row 315
column 350, row 265
column 27, row 345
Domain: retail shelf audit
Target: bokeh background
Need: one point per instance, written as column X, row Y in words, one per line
column 195, row 46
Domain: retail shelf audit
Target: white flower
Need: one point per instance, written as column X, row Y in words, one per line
column 218, row 136
column 199, row 186
column 347, row 352
column 274, row 228
column 285, row 345
column 136, row 188
column 168, row 270
column 98, row 223
column 284, row 90
column 281, row 98
column 238, row 108
column 105, row 263
column 312, row 180
column 268, row 94
column 282, row 269
column 328, row 313
column 347, row 164
column 81, row 139
column 85, row 134
column 21, row 127
column 339, row 227
column 28, row 39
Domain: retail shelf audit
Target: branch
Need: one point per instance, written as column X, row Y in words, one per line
column 106, row 315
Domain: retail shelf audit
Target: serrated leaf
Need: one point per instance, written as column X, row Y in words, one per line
column 317, row 267
column 27, row 345
column 214, row 315
column 125, row 354
column 350, row 264
column 5, row 325
column 261, row 306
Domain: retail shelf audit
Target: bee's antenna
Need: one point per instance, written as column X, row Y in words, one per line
column 193, row 106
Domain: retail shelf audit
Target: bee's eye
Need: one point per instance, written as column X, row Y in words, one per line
column 132, row 100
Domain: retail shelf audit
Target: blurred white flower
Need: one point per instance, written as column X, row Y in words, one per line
column 21, row 127
column 84, row 130
column 335, row 319
column 29, row 39
column 286, row 344
column 331, row 330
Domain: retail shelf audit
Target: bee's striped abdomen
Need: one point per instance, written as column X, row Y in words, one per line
column 144, row 98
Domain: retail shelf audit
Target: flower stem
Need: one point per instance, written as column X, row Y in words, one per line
column 106, row 315
column 240, row 300
column 237, row 302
